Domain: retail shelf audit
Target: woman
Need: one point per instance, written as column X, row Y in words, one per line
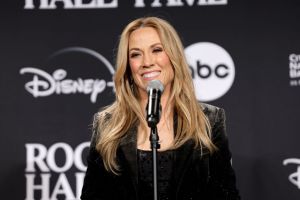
column 194, row 158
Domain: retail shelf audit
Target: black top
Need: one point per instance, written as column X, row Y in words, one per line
column 196, row 174
column 164, row 174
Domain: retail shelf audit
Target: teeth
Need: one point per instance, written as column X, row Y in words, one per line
column 151, row 74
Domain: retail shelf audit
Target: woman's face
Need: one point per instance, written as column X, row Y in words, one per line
column 148, row 60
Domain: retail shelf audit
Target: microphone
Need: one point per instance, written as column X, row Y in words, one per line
column 155, row 88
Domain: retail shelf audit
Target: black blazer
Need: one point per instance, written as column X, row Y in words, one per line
column 203, row 177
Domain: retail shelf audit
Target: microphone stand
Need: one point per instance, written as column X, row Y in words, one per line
column 154, row 146
column 154, row 89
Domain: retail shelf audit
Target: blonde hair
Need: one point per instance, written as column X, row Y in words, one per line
column 126, row 111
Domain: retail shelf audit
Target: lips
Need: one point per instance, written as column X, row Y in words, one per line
column 151, row 74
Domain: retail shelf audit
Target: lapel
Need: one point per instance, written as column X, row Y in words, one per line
column 183, row 156
column 182, row 161
column 128, row 146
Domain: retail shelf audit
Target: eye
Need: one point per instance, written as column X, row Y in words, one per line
column 157, row 49
column 133, row 55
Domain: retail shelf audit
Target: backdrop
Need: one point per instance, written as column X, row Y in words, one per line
column 57, row 63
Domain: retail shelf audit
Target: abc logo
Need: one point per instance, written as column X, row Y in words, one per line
column 212, row 70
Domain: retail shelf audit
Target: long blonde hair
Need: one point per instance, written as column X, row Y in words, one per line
column 125, row 111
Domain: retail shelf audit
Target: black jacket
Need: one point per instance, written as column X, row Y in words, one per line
column 206, row 177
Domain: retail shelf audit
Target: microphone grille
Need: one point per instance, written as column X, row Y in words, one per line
column 155, row 84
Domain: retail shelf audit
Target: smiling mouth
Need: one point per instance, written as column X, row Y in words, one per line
column 151, row 74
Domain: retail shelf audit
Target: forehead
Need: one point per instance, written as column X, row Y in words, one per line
column 144, row 36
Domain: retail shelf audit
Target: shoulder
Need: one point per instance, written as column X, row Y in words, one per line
column 213, row 113
column 99, row 118
column 216, row 117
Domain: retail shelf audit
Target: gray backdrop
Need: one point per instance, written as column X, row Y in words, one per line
column 56, row 59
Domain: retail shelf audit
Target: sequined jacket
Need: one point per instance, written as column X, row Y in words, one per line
column 205, row 177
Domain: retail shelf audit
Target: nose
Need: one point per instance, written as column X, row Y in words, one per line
column 148, row 60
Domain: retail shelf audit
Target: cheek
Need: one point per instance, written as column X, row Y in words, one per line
column 168, row 66
column 164, row 59
column 134, row 66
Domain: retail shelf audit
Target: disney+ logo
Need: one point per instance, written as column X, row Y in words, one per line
column 45, row 84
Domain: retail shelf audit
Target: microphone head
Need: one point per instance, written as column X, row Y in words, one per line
column 155, row 84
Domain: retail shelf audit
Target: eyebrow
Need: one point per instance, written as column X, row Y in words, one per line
column 153, row 45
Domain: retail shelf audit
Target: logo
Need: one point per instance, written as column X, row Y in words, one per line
column 294, row 178
column 212, row 70
column 294, row 69
column 101, row 4
column 45, row 84
column 45, row 169
column 69, row 4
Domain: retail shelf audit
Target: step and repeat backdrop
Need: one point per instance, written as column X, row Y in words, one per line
column 56, row 68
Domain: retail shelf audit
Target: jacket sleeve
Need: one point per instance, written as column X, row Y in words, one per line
column 97, row 180
column 222, row 179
